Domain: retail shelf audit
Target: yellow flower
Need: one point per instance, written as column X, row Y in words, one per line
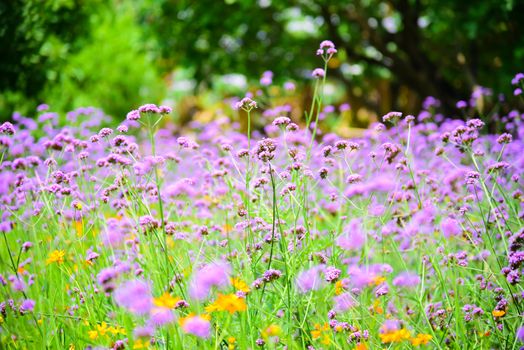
column 231, row 341
column 361, row 346
column 79, row 228
column 116, row 330
column 378, row 280
column 271, row 331
column 102, row 329
column 141, row 344
column 230, row 303
column 92, row 334
column 377, row 308
column 395, row 336
column 498, row 313
column 317, row 333
column 421, row 339
column 71, row 346
column 339, row 287
column 240, row 285
column 56, row 256
column 166, row 301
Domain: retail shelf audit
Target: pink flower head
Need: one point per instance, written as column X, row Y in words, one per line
column 450, row 227
column 310, row 279
column 390, row 326
column 289, row 86
column 27, row 306
column 149, row 108
column 406, row 279
column 327, row 44
column 135, row 296
column 161, row 316
column 216, row 274
column 197, row 325
column 318, row 73
column 164, row 109
column 363, row 276
column 133, row 115
column 353, row 238
column 328, row 48
column 246, row 104
column 344, row 302
column 267, row 78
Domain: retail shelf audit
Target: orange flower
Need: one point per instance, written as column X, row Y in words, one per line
column 240, row 285
column 56, row 256
column 230, row 303
column 271, row 331
column 421, row 339
column 378, row 280
column 339, row 287
column 498, row 313
column 322, row 331
column 395, row 336
column 166, row 301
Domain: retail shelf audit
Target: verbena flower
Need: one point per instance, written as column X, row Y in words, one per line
column 196, row 325
column 135, row 296
column 216, row 274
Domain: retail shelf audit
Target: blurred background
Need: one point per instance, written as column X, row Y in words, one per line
column 116, row 55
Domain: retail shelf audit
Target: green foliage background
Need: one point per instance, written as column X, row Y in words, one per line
column 118, row 54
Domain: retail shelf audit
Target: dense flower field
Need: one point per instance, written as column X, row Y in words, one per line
column 410, row 236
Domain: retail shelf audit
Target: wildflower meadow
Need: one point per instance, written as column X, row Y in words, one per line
column 278, row 235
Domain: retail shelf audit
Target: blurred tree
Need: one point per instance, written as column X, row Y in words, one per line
column 34, row 35
column 390, row 52
column 72, row 53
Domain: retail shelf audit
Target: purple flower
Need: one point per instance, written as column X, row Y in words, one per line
column 309, row 280
column 197, row 325
column 332, row 274
column 149, row 108
column 390, row 326
column 289, row 86
column 461, row 104
column 246, row 104
column 216, row 274
column 344, row 302
column 267, row 78
column 391, row 117
column 520, row 334
column 135, row 296
column 133, row 115
column 281, row 121
column 161, row 316
column 353, row 238
column 517, row 79
column 271, row 275
column 406, row 279
column 450, row 227
column 144, row 332
column 327, row 47
column 504, row 138
column 318, row 73
column 42, row 107
column 7, row 128
column 27, row 305
column 165, row 109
